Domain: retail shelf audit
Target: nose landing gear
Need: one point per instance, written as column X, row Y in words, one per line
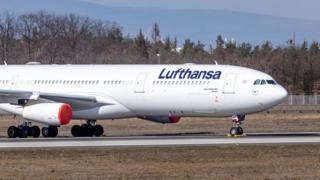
column 236, row 130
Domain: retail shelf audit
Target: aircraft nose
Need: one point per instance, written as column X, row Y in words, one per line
column 281, row 94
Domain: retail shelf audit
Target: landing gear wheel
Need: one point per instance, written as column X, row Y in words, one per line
column 34, row 131
column 86, row 130
column 51, row 131
column 23, row 131
column 54, row 131
column 13, row 132
column 45, row 132
column 76, row 131
column 240, row 130
column 90, row 129
column 98, row 130
column 234, row 131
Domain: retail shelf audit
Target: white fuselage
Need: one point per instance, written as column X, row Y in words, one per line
column 150, row 90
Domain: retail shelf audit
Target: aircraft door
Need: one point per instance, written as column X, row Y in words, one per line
column 229, row 83
column 140, row 82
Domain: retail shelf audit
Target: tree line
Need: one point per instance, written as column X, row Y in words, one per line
column 72, row 39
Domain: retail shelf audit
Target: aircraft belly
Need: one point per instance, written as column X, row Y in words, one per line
column 173, row 103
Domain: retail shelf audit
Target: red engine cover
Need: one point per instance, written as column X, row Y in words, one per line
column 174, row 119
column 65, row 114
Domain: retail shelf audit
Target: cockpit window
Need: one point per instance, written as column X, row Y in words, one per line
column 256, row 82
column 264, row 82
column 271, row 82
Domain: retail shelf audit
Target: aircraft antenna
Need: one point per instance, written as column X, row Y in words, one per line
column 5, row 63
column 216, row 62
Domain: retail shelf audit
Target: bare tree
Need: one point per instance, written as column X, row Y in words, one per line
column 7, row 35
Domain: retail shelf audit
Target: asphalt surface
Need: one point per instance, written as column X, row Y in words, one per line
column 160, row 140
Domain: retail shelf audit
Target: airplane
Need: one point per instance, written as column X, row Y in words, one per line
column 53, row 95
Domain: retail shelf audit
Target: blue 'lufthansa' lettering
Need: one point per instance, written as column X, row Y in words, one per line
column 188, row 74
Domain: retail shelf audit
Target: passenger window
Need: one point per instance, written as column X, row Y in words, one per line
column 263, row 82
column 256, row 82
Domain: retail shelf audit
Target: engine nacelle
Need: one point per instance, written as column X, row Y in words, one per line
column 54, row 114
column 162, row 119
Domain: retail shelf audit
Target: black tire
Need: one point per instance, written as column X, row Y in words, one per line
column 76, row 131
column 29, row 131
column 35, row 131
column 85, row 130
column 240, row 130
column 23, row 131
column 45, row 132
column 90, row 130
column 13, row 132
column 53, row 131
column 234, row 131
column 98, row 130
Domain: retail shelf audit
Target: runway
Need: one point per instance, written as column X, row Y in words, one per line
column 158, row 141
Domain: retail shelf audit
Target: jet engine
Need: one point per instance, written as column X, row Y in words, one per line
column 162, row 119
column 53, row 114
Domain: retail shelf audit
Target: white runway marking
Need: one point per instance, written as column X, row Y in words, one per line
column 153, row 141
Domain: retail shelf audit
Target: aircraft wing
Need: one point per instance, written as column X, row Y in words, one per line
column 77, row 101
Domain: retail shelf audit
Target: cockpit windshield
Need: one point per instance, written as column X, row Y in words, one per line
column 256, row 82
column 272, row 82
column 264, row 82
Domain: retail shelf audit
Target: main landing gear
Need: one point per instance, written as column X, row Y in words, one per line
column 87, row 130
column 23, row 131
column 236, row 122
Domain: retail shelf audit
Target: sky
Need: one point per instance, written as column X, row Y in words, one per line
column 302, row 9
